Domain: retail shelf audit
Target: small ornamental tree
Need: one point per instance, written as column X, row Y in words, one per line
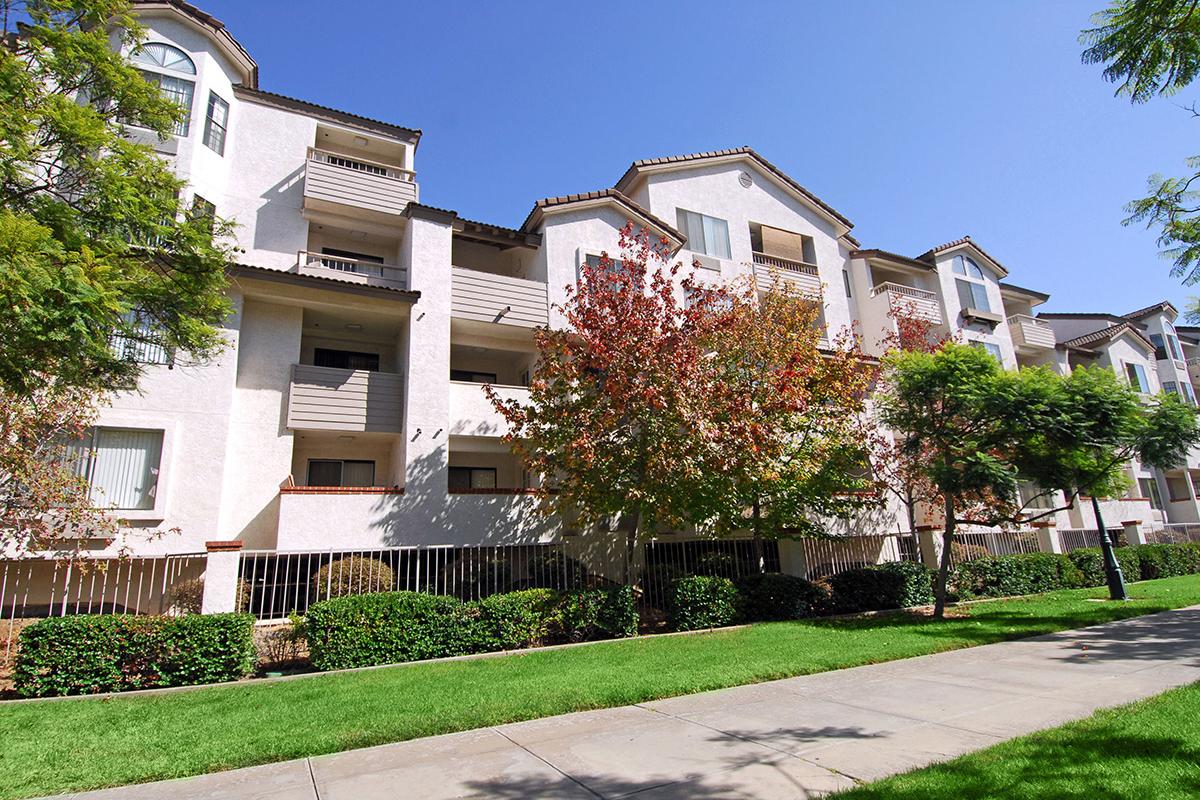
column 613, row 422
column 781, row 417
column 95, row 243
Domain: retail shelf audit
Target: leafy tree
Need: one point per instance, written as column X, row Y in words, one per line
column 1152, row 48
column 613, row 422
column 784, row 446
column 94, row 243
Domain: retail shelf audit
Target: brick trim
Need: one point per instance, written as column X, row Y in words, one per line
column 225, row 546
column 1132, row 522
column 499, row 491
column 928, row 528
column 1044, row 523
column 341, row 490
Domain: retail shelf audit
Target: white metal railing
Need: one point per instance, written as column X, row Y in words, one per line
column 825, row 557
column 786, row 264
column 370, row 272
column 1174, row 533
column 34, row 588
column 907, row 291
column 359, row 164
column 1070, row 539
column 971, row 545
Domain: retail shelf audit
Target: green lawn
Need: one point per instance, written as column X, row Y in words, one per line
column 1150, row 749
column 58, row 746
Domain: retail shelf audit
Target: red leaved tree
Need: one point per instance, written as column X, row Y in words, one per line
column 614, row 419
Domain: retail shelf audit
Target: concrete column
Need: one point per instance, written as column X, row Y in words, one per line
column 930, row 540
column 791, row 558
column 1047, row 534
column 1133, row 532
column 221, row 577
column 426, row 253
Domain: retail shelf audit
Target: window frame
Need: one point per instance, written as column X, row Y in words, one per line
column 470, row 487
column 1142, row 386
column 703, row 228
column 326, row 352
column 342, row 462
column 1153, row 495
column 458, row 375
column 210, row 124
column 161, row 490
column 991, row 348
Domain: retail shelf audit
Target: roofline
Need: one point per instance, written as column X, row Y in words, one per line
column 1117, row 331
column 214, row 25
column 740, row 153
column 965, row 241
column 1159, row 307
column 1012, row 287
column 411, row 135
column 485, row 231
column 884, row 255
column 603, row 196
column 321, row 282
column 1082, row 315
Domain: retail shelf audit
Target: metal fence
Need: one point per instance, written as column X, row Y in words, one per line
column 1175, row 533
column 971, row 545
column 1070, row 539
column 37, row 588
column 825, row 557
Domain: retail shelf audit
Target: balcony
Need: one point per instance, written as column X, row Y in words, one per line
column 324, row 398
column 793, row 275
column 1193, row 368
column 333, row 181
column 370, row 273
column 1030, row 332
column 472, row 414
column 487, row 297
column 921, row 303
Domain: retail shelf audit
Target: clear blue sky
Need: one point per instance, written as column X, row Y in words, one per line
column 920, row 121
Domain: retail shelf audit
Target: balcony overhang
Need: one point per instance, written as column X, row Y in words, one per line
column 322, row 282
column 988, row 318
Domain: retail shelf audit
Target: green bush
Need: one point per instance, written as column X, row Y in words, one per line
column 1024, row 573
column 86, row 654
column 702, row 601
column 606, row 613
column 867, row 589
column 387, row 628
column 775, row 596
column 1090, row 562
column 917, row 589
column 1166, row 560
column 516, row 619
column 553, row 570
column 353, row 575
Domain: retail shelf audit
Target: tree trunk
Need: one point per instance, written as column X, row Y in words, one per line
column 759, row 559
column 939, row 589
column 1112, row 567
column 631, row 540
column 910, row 506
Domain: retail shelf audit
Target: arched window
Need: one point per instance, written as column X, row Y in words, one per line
column 159, row 54
column 972, row 289
column 156, row 60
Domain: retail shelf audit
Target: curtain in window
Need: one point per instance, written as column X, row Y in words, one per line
column 125, row 466
column 972, row 295
column 705, row 235
column 324, row 473
column 358, row 473
column 716, row 237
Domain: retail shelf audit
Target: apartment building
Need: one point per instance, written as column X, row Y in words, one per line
column 347, row 410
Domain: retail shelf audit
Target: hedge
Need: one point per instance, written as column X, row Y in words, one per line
column 1168, row 560
column 393, row 627
column 773, row 596
column 1023, row 573
column 702, row 601
column 899, row 584
column 86, row 654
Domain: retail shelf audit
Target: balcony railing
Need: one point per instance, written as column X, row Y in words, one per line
column 325, row 398
column 487, row 297
column 1030, row 331
column 472, row 414
column 920, row 302
column 371, row 273
column 794, row 274
column 352, row 181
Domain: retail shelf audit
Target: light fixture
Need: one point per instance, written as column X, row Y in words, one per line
column 353, row 326
column 361, row 141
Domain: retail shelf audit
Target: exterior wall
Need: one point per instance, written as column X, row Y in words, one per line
column 975, row 332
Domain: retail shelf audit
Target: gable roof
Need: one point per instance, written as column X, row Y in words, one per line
column 747, row 153
column 611, row 196
column 1157, row 308
column 325, row 112
column 885, row 255
column 929, row 254
column 1012, row 288
column 233, row 48
column 1103, row 336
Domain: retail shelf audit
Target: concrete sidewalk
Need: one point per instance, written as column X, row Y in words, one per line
column 793, row 738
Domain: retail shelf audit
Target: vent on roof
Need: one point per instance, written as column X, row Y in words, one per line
column 745, row 180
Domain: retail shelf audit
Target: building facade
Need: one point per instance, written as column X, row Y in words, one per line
column 347, row 410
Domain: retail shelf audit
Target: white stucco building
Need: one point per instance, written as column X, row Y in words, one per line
column 347, row 410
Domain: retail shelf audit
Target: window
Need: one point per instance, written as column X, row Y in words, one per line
column 1137, row 377
column 1189, row 393
column 121, row 465
column 336, row 472
column 1172, row 387
column 972, row 290
column 846, row 281
column 345, row 359
column 706, row 235
column 1179, row 488
column 1173, row 342
column 967, row 267
column 138, row 342
column 470, row 376
column 216, row 121
column 472, row 478
column 1034, row 497
column 992, row 348
column 203, row 210
column 1149, row 490
column 177, row 91
column 163, row 56
column 1160, row 348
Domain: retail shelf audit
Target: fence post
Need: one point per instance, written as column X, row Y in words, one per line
column 221, row 577
column 791, row 558
column 1133, row 532
column 1047, row 536
column 931, row 545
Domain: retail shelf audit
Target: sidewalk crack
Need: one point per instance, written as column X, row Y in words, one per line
column 571, row 778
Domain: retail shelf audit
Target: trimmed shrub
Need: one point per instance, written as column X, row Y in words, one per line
column 1090, row 563
column 590, row 614
column 187, row 597
column 917, row 589
column 117, row 652
column 775, row 596
column 353, row 575
column 516, row 619
column 1023, row 573
column 387, row 628
column 553, row 570
column 867, row 589
column 702, row 601
column 1167, row 560
column 961, row 551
